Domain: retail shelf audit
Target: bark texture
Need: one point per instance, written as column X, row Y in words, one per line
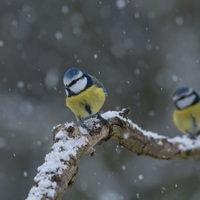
column 120, row 128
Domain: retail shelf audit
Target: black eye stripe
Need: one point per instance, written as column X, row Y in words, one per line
column 184, row 96
column 73, row 82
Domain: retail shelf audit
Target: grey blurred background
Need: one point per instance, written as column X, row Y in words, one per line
column 141, row 50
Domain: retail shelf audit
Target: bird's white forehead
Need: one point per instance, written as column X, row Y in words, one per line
column 79, row 85
column 185, row 102
column 67, row 80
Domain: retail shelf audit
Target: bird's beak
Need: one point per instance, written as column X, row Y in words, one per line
column 175, row 98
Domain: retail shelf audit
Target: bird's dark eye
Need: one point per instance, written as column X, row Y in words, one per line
column 182, row 97
column 72, row 83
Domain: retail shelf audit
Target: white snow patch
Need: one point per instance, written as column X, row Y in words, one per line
column 39, row 143
column 56, row 126
column 126, row 135
column 52, row 78
column 55, row 164
column 140, row 177
column 99, row 183
column 110, row 195
column 160, row 142
column 137, row 71
column 186, row 143
column 58, row 35
column 117, row 107
column 117, row 149
column 123, row 167
column 1, row 43
column 25, row 174
column 151, row 134
column 120, row 4
column 68, row 124
column 174, row 78
column 137, row 15
column 151, row 113
column 95, row 56
column 179, row 20
column 110, row 114
column 20, row 84
column 65, row 9
column 97, row 125
column 163, row 189
column 83, row 130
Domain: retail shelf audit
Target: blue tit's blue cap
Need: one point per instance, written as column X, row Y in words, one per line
column 71, row 75
column 181, row 92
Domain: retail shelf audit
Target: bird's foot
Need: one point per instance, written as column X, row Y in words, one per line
column 104, row 121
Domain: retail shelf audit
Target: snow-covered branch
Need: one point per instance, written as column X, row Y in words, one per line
column 71, row 142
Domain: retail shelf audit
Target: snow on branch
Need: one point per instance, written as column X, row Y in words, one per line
column 71, row 142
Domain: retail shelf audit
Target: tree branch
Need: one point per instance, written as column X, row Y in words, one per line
column 70, row 142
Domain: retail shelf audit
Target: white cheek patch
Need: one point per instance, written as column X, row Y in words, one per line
column 79, row 85
column 67, row 81
column 187, row 101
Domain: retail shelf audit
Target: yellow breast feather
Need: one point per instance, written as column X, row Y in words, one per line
column 87, row 103
column 188, row 120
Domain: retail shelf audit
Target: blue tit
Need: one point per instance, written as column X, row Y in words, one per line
column 85, row 95
column 187, row 114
